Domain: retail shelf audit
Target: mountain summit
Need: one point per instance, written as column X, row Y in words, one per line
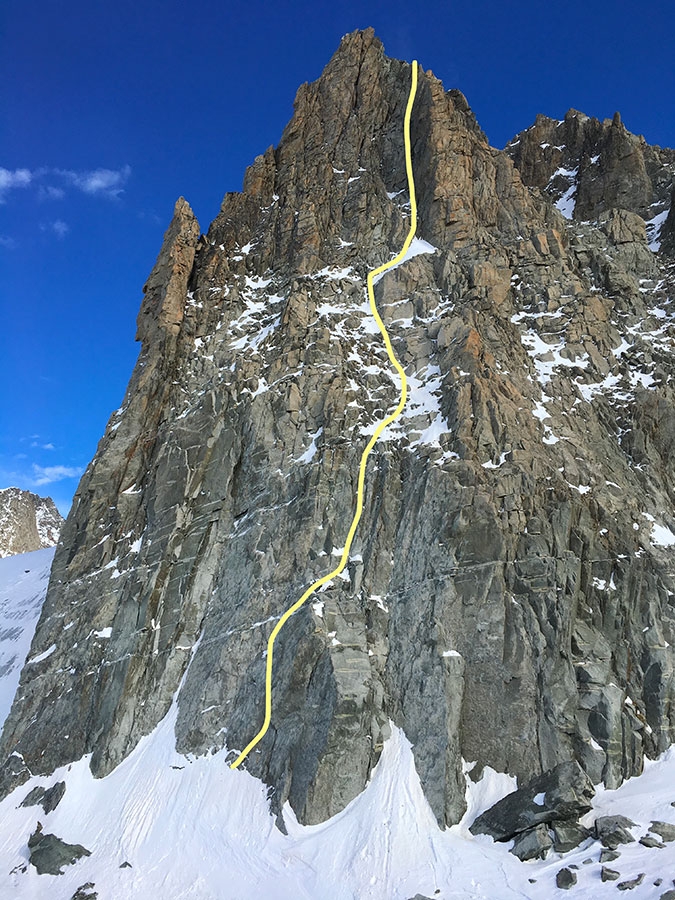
column 509, row 596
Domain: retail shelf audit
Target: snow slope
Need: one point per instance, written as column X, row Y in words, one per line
column 23, row 584
column 193, row 829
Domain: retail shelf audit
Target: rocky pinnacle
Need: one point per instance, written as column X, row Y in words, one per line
column 508, row 597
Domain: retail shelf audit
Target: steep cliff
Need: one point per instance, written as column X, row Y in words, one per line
column 509, row 596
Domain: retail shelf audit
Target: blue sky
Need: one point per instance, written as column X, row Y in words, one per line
column 110, row 111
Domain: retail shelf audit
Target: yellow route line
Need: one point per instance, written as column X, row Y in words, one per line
column 371, row 443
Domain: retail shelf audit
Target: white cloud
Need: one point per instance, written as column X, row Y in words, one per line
column 6, row 241
column 16, row 178
column 50, row 474
column 104, row 182
column 95, row 182
column 52, row 193
column 58, row 226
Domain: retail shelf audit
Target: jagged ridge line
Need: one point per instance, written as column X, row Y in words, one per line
column 371, row 443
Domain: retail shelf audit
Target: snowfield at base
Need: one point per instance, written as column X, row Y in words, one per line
column 193, row 829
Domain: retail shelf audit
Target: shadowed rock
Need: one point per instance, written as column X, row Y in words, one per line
column 561, row 795
column 601, row 164
column 613, row 830
column 532, row 844
column 47, row 798
column 565, row 879
column 49, row 854
column 568, row 835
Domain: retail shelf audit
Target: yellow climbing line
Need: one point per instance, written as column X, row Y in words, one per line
column 371, row 443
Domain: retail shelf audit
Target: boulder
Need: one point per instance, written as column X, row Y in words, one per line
column 562, row 794
column 633, row 883
column 613, row 830
column 622, row 226
column 532, row 844
column 565, row 879
column 650, row 841
column 607, row 874
column 664, row 829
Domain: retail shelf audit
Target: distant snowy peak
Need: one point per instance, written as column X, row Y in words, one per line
column 589, row 167
column 27, row 522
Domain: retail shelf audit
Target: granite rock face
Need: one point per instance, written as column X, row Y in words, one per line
column 509, row 598
column 590, row 167
column 27, row 522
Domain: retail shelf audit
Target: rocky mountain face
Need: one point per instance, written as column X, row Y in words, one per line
column 590, row 168
column 27, row 522
column 509, row 598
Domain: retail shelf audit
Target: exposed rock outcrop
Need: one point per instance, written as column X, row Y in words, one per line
column 509, row 595
column 49, row 854
column 590, row 167
column 47, row 798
